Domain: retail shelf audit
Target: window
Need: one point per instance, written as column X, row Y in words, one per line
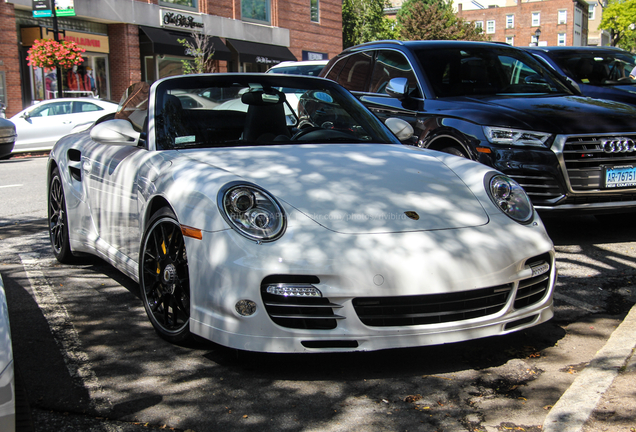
column 255, row 10
column 186, row 3
column 355, row 72
column 479, row 25
column 510, row 40
column 389, row 65
column 562, row 16
column 51, row 109
column 314, row 10
column 536, row 19
column 510, row 21
column 79, row 107
column 561, row 39
column 490, row 26
column 590, row 11
column 3, row 89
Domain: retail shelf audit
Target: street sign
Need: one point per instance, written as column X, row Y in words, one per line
column 42, row 8
column 65, row 8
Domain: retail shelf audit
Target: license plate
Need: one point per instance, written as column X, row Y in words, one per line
column 620, row 177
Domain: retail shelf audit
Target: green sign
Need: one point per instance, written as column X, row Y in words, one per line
column 65, row 8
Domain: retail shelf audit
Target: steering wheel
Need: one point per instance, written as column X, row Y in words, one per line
column 305, row 131
column 624, row 79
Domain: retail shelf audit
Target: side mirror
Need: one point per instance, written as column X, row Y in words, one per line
column 25, row 116
column 398, row 88
column 115, row 132
column 400, row 128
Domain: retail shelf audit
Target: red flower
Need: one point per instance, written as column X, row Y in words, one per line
column 48, row 53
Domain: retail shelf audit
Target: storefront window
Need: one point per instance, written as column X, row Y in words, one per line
column 90, row 79
column 255, row 10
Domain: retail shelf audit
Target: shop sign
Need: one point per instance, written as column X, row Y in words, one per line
column 42, row 8
column 65, row 8
column 310, row 55
column 266, row 60
column 181, row 21
column 90, row 42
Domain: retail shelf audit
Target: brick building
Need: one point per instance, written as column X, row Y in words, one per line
column 131, row 40
column 560, row 22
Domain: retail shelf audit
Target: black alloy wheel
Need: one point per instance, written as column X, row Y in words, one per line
column 164, row 279
column 58, row 221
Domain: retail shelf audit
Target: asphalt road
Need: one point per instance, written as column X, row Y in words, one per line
column 89, row 359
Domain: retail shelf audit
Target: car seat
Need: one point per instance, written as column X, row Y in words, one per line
column 265, row 119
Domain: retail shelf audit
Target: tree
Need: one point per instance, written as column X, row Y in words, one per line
column 202, row 50
column 364, row 21
column 435, row 21
column 618, row 19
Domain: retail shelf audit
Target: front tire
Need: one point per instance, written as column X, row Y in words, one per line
column 163, row 277
column 454, row 151
column 58, row 220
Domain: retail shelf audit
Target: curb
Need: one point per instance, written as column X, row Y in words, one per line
column 577, row 404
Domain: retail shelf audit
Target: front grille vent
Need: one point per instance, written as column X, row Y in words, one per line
column 532, row 290
column 298, row 312
column 539, row 188
column 584, row 159
column 431, row 309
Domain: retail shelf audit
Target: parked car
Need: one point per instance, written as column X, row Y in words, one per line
column 7, row 379
column 326, row 234
column 306, row 67
column 7, row 137
column 500, row 106
column 598, row 72
column 41, row 125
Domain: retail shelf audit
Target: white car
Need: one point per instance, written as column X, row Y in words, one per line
column 41, row 125
column 7, row 380
column 324, row 235
column 305, row 67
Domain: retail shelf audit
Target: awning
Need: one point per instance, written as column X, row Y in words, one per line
column 165, row 42
column 254, row 52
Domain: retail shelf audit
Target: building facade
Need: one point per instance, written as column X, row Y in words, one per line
column 127, row 41
column 544, row 22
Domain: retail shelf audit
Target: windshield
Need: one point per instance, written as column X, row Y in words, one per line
column 596, row 67
column 259, row 110
column 462, row 71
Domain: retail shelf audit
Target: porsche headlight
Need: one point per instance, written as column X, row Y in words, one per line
column 510, row 198
column 252, row 212
column 515, row 137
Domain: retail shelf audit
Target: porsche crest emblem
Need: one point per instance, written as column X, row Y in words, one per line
column 412, row 215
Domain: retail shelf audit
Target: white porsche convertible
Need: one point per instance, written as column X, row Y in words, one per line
column 293, row 220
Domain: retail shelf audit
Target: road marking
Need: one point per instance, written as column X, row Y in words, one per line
column 64, row 333
column 8, row 186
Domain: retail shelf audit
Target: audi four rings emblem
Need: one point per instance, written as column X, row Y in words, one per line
column 618, row 145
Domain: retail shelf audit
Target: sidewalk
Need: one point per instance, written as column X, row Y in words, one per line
column 603, row 396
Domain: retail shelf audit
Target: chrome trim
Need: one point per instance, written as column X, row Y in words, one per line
column 558, row 147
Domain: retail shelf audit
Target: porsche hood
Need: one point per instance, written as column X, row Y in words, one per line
column 357, row 188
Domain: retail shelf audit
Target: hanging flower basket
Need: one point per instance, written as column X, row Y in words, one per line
column 48, row 53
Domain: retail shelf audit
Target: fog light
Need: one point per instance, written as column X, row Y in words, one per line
column 245, row 307
column 540, row 269
column 299, row 290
